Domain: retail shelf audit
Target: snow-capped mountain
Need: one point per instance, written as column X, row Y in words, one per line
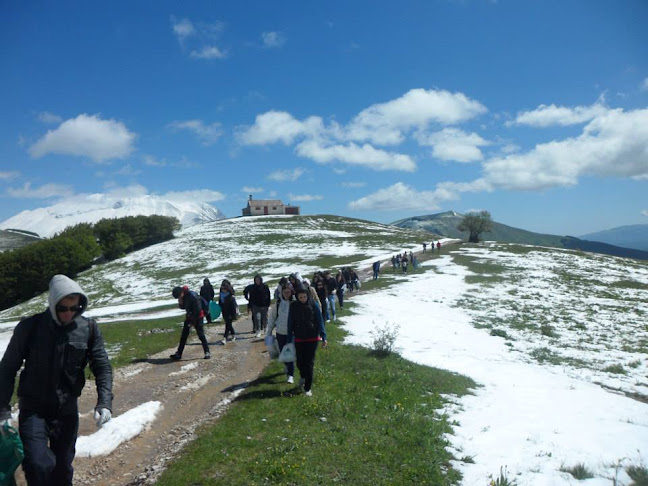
column 91, row 208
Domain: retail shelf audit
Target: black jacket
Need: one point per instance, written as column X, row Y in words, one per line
column 207, row 291
column 258, row 294
column 55, row 360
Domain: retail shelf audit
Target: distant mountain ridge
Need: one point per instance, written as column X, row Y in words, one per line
column 630, row 236
column 48, row 221
column 445, row 224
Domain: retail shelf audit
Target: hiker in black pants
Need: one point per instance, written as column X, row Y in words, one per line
column 191, row 302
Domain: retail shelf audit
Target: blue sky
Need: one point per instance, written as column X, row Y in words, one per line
column 536, row 111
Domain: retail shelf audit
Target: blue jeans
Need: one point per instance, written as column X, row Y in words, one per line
column 331, row 306
column 48, row 464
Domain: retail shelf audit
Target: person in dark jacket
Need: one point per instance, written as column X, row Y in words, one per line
column 322, row 294
column 376, row 269
column 229, row 309
column 191, row 302
column 341, row 286
column 207, row 293
column 258, row 295
column 55, row 346
column 305, row 329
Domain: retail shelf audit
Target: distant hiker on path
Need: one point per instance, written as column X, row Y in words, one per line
column 191, row 302
column 55, row 345
column 258, row 295
column 207, row 293
column 424, row 247
column 439, row 245
column 229, row 309
column 376, row 269
column 305, row 329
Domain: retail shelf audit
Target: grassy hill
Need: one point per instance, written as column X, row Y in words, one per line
column 530, row 297
column 445, row 224
column 235, row 249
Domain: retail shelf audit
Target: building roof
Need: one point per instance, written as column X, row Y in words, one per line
column 265, row 202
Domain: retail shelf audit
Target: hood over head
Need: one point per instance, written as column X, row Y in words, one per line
column 60, row 287
column 257, row 276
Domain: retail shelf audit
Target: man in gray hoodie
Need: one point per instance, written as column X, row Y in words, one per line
column 56, row 346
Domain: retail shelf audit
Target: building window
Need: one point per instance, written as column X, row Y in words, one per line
column 274, row 208
column 258, row 208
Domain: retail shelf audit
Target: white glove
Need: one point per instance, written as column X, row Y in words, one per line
column 102, row 416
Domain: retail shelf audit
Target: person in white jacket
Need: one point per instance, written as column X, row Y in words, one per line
column 278, row 317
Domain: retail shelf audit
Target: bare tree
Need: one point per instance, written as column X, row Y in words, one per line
column 476, row 224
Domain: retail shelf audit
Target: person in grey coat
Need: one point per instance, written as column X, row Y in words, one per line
column 55, row 346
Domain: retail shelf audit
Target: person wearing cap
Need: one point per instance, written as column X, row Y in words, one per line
column 191, row 303
column 305, row 329
column 55, row 346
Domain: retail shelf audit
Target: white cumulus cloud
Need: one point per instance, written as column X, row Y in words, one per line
column 454, row 144
column 287, row 175
column 552, row 115
column 89, row 136
column 387, row 123
column 398, row 197
column 304, row 197
column 45, row 191
column 614, row 144
column 49, row 118
column 208, row 52
column 182, row 28
column 208, row 134
column 353, row 154
column 273, row 39
column 278, row 126
column 249, row 190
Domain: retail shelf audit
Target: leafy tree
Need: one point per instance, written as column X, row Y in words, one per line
column 476, row 224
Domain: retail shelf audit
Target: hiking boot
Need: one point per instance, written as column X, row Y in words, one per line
column 207, row 355
column 290, row 379
column 309, row 393
column 223, row 342
column 175, row 357
column 233, row 338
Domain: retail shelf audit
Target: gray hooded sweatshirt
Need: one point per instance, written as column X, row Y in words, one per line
column 60, row 287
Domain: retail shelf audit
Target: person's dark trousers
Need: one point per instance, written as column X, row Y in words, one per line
column 340, row 296
column 306, row 361
column 375, row 277
column 48, row 465
column 185, row 334
column 229, row 328
column 281, row 341
column 264, row 317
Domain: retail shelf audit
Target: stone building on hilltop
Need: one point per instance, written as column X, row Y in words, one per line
column 259, row 207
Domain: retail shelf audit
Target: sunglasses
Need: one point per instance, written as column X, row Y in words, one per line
column 74, row 308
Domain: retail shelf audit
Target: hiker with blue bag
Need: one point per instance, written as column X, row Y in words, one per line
column 55, row 346
column 229, row 309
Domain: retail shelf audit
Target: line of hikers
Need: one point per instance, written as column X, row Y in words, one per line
column 403, row 261
column 301, row 307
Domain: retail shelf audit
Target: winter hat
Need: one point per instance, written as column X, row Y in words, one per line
column 177, row 291
column 301, row 290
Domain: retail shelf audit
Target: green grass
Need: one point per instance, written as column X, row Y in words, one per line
column 371, row 420
column 124, row 339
